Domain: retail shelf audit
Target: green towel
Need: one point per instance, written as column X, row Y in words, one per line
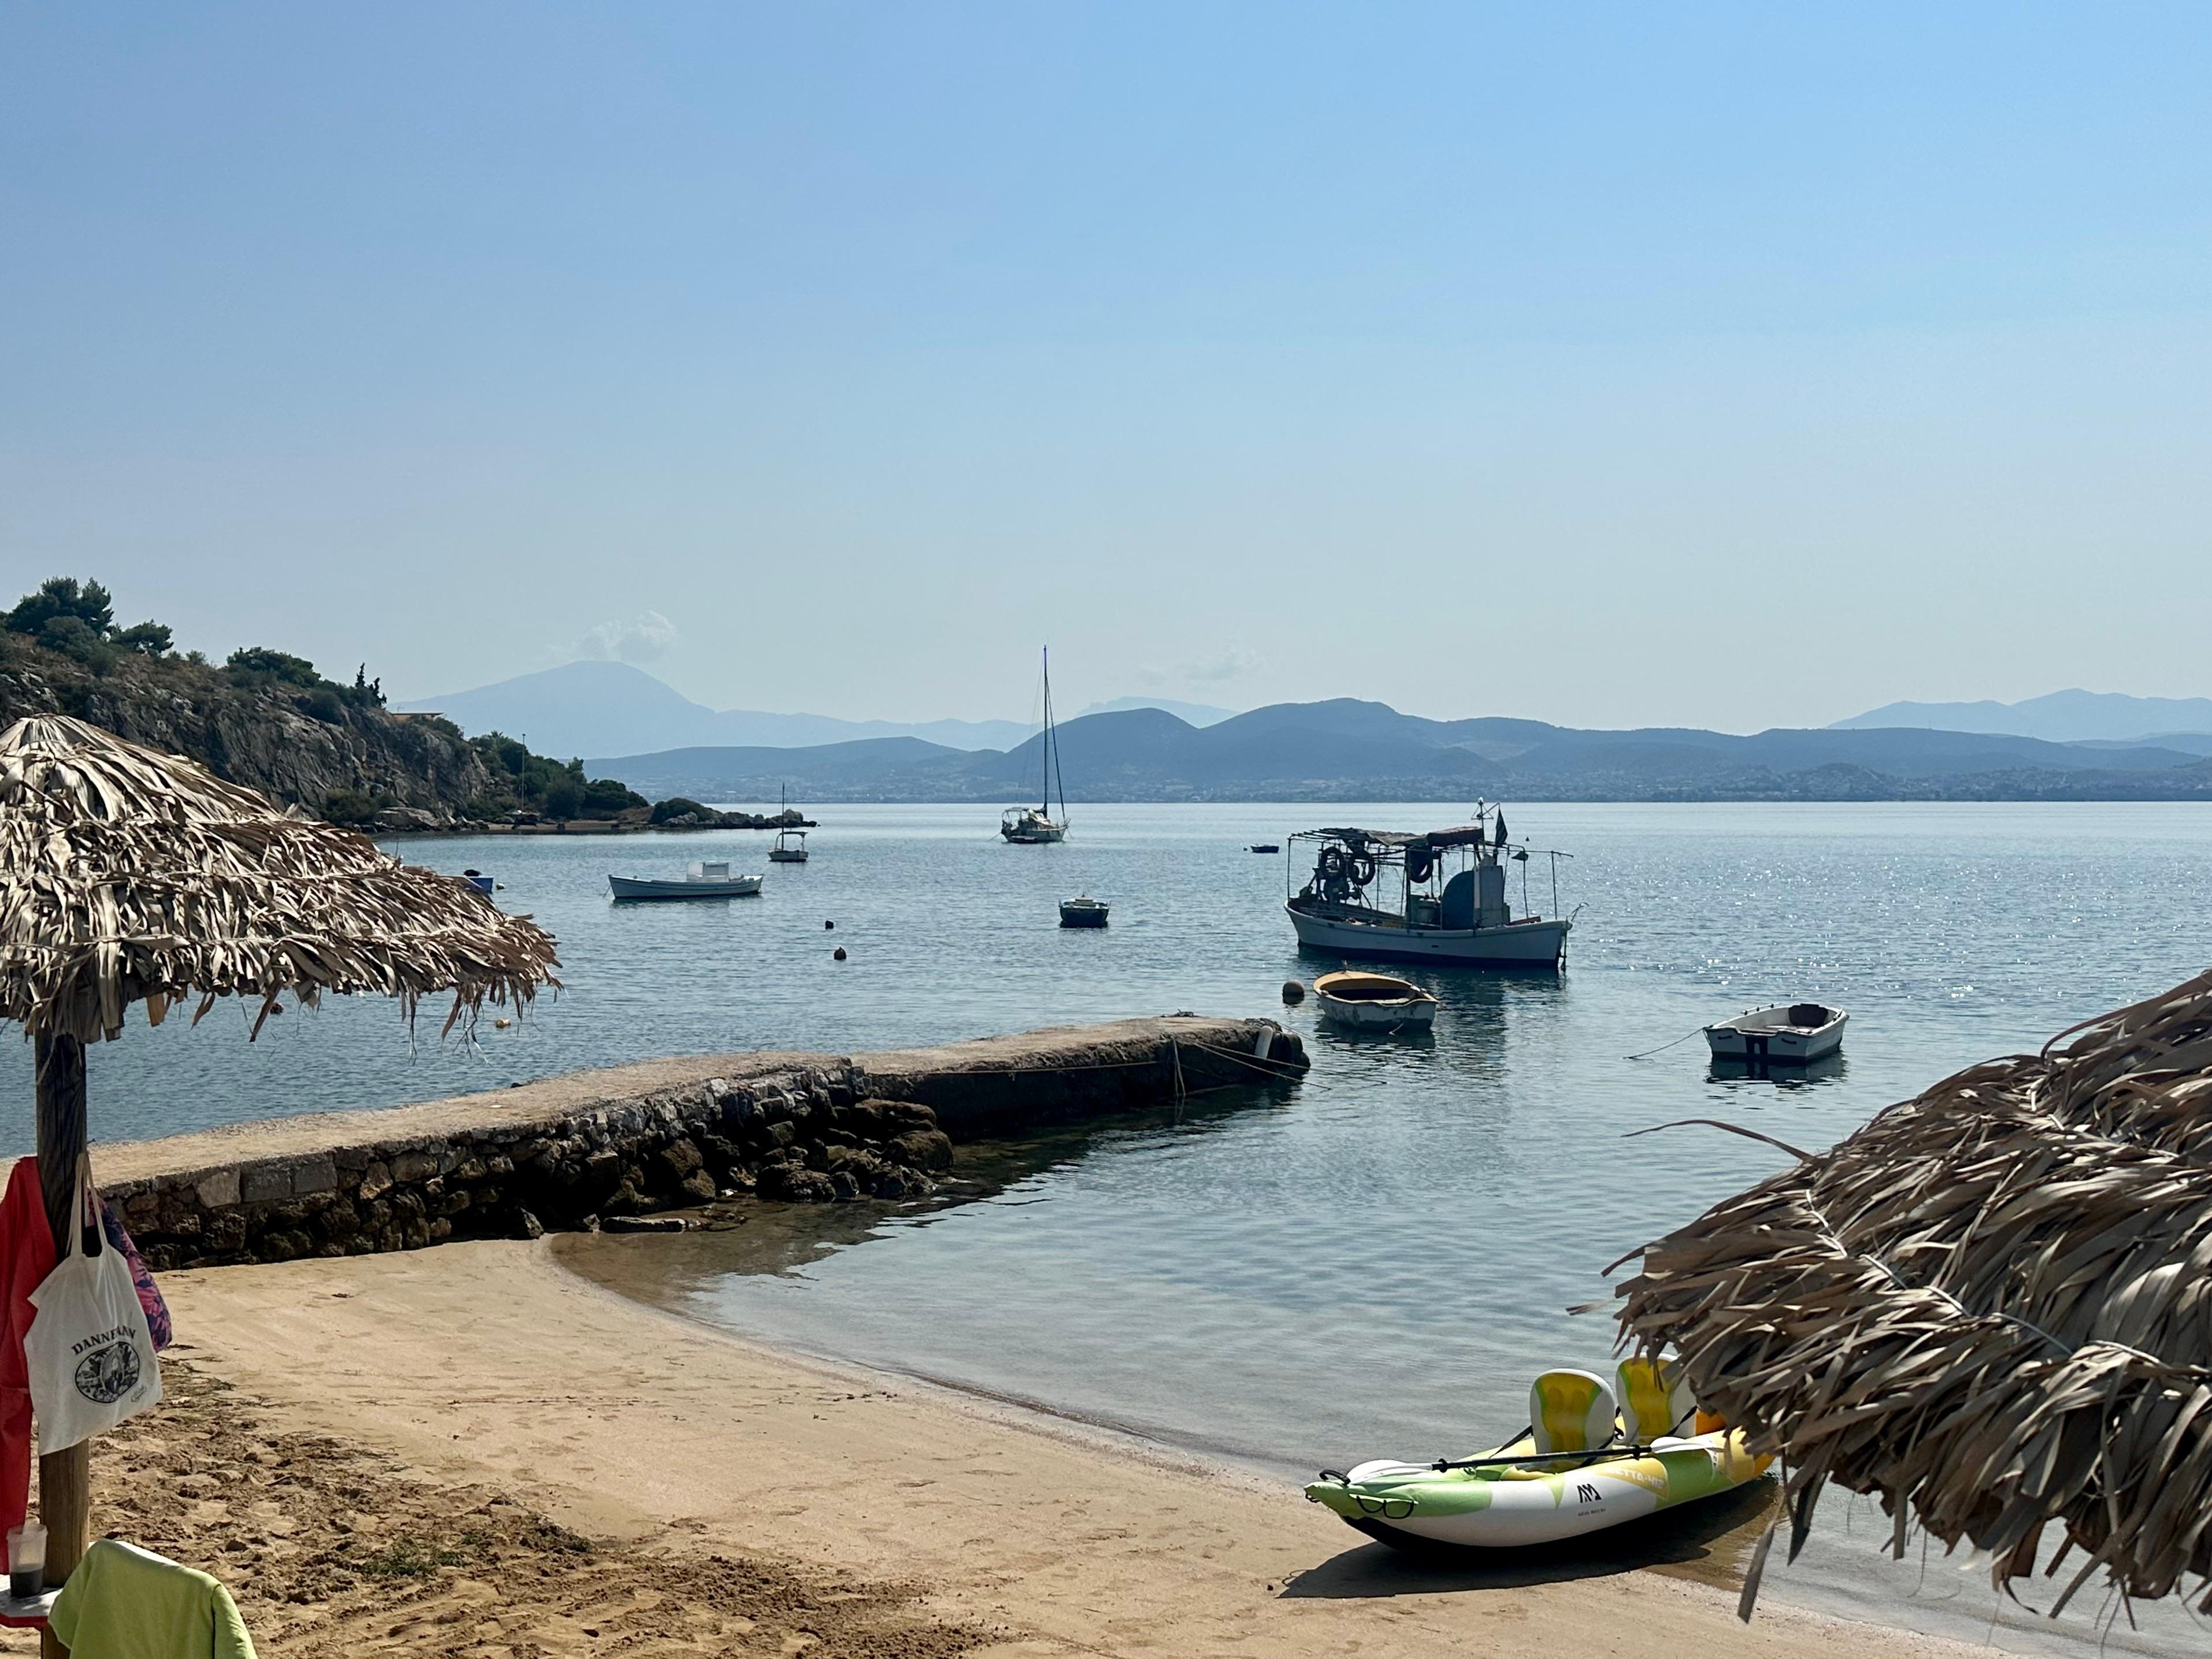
column 122, row 1602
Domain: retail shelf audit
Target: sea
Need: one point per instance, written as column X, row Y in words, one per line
column 1372, row 1262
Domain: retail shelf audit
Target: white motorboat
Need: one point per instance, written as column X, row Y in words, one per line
column 1035, row 826
column 1439, row 896
column 1789, row 1033
column 702, row 881
column 1373, row 1002
column 790, row 840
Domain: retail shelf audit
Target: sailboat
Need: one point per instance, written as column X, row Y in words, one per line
column 790, row 842
column 1035, row 826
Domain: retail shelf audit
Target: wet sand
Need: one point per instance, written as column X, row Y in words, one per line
column 469, row 1450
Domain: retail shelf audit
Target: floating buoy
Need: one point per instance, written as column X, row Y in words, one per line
column 1293, row 991
column 837, row 955
column 827, row 925
column 501, row 1023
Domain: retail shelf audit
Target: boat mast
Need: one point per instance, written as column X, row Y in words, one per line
column 1051, row 751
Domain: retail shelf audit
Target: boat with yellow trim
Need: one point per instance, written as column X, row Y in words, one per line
column 1583, row 1463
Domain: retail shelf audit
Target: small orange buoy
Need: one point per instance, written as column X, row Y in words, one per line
column 501, row 1023
column 837, row 955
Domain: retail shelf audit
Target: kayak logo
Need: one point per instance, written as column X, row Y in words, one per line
column 1584, row 1493
column 105, row 1375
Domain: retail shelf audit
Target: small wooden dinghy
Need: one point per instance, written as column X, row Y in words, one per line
column 1789, row 1033
column 1373, row 1002
column 1590, row 1458
column 1082, row 912
column 702, row 881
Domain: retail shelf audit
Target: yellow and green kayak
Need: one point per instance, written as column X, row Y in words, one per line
column 1579, row 1468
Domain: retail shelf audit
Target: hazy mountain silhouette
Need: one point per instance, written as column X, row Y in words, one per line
column 1346, row 750
column 2061, row 717
column 611, row 707
column 1195, row 714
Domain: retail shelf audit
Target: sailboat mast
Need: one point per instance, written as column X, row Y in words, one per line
column 1052, row 748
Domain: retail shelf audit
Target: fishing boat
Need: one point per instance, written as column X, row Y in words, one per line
column 1035, row 826
column 702, row 881
column 1373, row 1002
column 1082, row 912
column 1265, row 846
column 1436, row 897
column 1788, row 1033
column 1591, row 1458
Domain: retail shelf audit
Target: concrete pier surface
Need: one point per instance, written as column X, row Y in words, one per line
column 668, row 1134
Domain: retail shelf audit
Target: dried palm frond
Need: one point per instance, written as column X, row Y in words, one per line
column 1991, row 1306
column 127, row 874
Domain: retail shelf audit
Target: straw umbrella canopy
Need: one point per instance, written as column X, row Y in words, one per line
column 127, row 875
column 1991, row 1306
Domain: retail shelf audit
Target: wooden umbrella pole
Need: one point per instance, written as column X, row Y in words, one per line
column 64, row 1477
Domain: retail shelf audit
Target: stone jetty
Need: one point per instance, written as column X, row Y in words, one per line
column 616, row 1146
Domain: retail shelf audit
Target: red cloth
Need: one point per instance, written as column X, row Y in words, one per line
column 27, row 1256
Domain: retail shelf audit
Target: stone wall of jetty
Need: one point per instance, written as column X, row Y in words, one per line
column 619, row 1148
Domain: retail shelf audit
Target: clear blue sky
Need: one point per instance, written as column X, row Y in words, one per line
column 1728, row 365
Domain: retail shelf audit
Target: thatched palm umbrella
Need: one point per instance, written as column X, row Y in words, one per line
column 1991, row 1306
column 127, row 875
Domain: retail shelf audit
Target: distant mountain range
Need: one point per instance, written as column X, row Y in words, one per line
column 1351, row 751
column 610, row 708
column 2061, row 717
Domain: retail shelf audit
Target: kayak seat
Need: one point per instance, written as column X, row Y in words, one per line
column 1570, row 1412
column 1654, row 1396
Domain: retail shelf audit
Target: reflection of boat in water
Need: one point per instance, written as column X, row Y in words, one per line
column 1800, row 1074
column 1590, row 1458
column 1035, row 826
column 702, row 881
column 1449, row 890
column 1787, row 1034
column 1082, row 912
column 1373, row 1002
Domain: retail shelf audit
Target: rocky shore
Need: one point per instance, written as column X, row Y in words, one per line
column 618, row 1148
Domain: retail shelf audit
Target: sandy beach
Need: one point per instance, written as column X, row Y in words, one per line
column 469, row 1450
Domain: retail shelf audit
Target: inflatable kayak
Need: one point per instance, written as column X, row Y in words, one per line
column 1583, row 1464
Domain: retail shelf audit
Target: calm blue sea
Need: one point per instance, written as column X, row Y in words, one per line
column 1373, row 1263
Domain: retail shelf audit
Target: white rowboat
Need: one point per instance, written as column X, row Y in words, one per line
column 1788, row 1033
column 1373, row 1002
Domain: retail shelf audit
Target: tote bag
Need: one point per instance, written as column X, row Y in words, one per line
column 89, row 1353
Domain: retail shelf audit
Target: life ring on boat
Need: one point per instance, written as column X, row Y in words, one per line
column 1342, row 867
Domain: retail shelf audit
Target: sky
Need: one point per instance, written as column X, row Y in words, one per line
column 1734, row 366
